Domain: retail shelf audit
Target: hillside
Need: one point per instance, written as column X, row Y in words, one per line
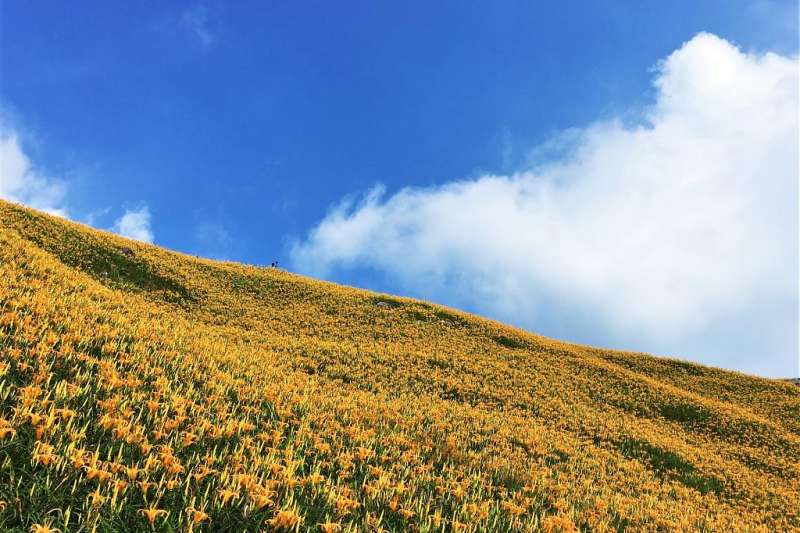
column 146, row 389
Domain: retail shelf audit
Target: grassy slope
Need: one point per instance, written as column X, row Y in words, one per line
column 252, row 398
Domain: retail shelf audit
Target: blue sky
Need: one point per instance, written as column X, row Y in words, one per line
column 237, row 130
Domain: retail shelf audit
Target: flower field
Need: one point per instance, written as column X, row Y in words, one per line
column 143, row 389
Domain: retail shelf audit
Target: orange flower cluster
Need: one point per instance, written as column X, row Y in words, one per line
column 142, row 389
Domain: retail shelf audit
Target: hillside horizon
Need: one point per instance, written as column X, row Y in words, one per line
column 672, row 357
column 248, row 397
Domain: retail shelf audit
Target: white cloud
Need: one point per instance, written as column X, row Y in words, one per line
column 676, row 236
column 195, row 20
column 93, row 217
column 135, row 224
column 21, row 182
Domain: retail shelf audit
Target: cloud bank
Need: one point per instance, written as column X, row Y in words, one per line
column 676, row 235
column 135, row 224
column 20, row 182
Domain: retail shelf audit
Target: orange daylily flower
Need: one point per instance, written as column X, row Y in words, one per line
column 152, row 514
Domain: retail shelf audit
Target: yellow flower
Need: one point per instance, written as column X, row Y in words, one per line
column 196, row 515
column 44, row 458
column 96, row 498
column 362, row 454
column 97, row 473
column 145, row 486
column 226, row 495
column 262, row 499
column 152, row 514
column 174, row 468
column 345, row 505
column 558, row 524
column 513, row 509
column 285, row 520
column 315, row 479
column 329, row 527
column 65, row 414
column 188, row 439
column 43, row 528
column 406, row 513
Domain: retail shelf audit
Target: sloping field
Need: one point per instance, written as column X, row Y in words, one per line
column 145, row 389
